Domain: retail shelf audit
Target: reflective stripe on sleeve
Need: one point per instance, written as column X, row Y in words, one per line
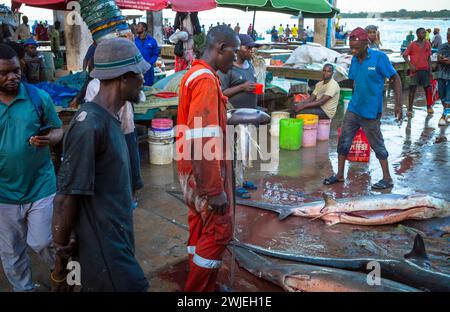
column 206, row 263
column 196, row 74
column 208, row 132
column 191, row 250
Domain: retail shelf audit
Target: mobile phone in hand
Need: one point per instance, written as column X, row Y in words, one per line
column 44, row 130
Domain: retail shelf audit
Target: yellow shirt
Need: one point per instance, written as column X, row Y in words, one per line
column 331, row 89
column 294, row 31
column 280, row 30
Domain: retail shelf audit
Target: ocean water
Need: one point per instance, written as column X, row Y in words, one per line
column 392, row 32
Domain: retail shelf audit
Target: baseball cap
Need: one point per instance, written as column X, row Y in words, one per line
column 116, row 57
column 359, row 34
column 371, row 27
column 30, row 41
column 247, row 41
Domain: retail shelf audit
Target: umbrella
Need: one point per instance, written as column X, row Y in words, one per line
column 308, row 8
column 145, row 5
column 175, row 5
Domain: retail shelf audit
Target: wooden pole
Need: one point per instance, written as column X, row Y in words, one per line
column 320, row 31
column 301, row 25
column 253, row 25
column 155, row 25
column 77, row 39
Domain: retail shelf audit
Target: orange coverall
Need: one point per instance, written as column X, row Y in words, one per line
column 202, row 114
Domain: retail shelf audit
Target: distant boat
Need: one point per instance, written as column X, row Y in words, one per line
column 380, row 19
column 392, row 20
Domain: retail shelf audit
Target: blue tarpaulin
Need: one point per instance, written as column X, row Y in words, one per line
column 61, row 95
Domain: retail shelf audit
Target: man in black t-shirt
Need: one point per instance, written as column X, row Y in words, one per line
column 94, row 193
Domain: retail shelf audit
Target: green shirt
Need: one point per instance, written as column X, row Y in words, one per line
column 26, row 171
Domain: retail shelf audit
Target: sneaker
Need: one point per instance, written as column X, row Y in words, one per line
column 430, row 110
column 442, row 121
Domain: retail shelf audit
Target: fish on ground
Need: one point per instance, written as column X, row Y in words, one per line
column 364, row 210
column 414, row 269
column 299, row 277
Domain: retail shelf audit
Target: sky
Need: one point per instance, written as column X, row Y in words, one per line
column 343, row 5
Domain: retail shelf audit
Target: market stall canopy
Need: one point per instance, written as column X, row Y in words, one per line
column 307, row 8
column 145, row 5
column 45, row 4
column 175, row 5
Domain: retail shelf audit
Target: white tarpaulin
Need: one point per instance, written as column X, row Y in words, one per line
column 314, row 56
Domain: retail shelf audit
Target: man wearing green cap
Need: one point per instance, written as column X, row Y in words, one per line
column 94, row 194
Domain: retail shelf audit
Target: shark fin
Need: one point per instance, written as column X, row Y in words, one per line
column 418, row 251
column 284, row 214
column 329, row 201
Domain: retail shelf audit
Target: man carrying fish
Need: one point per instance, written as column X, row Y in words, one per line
column 368, row 70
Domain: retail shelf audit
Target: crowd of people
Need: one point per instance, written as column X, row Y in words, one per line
column 284, row 34
column 89, row 216
column 418, row 58
column 25, row 42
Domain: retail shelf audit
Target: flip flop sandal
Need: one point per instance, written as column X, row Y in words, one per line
column 382, row 185
column 249, row 185
column 332, row 180
column 242, row 193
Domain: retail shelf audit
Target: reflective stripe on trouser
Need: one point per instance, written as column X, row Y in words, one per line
column 22, row 225
column 207, row 242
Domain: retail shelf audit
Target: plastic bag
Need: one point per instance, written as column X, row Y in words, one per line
column 360, row 149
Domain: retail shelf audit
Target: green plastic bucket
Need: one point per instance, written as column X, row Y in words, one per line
column 291, row 132
column 345, row 93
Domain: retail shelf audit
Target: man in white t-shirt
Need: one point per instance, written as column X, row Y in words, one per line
column 325, row 97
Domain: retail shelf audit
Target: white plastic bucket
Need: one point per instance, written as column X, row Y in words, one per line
column 160, row 153
column 275, row 122
column 160, row 134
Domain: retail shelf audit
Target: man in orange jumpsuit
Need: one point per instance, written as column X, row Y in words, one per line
column 205, row 171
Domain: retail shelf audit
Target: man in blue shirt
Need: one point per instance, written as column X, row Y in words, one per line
column 27, row 175
column 149, row 49
column 368, row 70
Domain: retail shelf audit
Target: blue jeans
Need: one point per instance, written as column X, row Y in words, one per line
column 444, row 90
column 135, row 161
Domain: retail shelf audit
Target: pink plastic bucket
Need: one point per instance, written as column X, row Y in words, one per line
column 162, row 123
column 323, row 130
column 309, row 135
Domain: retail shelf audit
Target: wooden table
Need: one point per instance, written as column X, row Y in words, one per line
column 296, row 73
column 167, row 51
